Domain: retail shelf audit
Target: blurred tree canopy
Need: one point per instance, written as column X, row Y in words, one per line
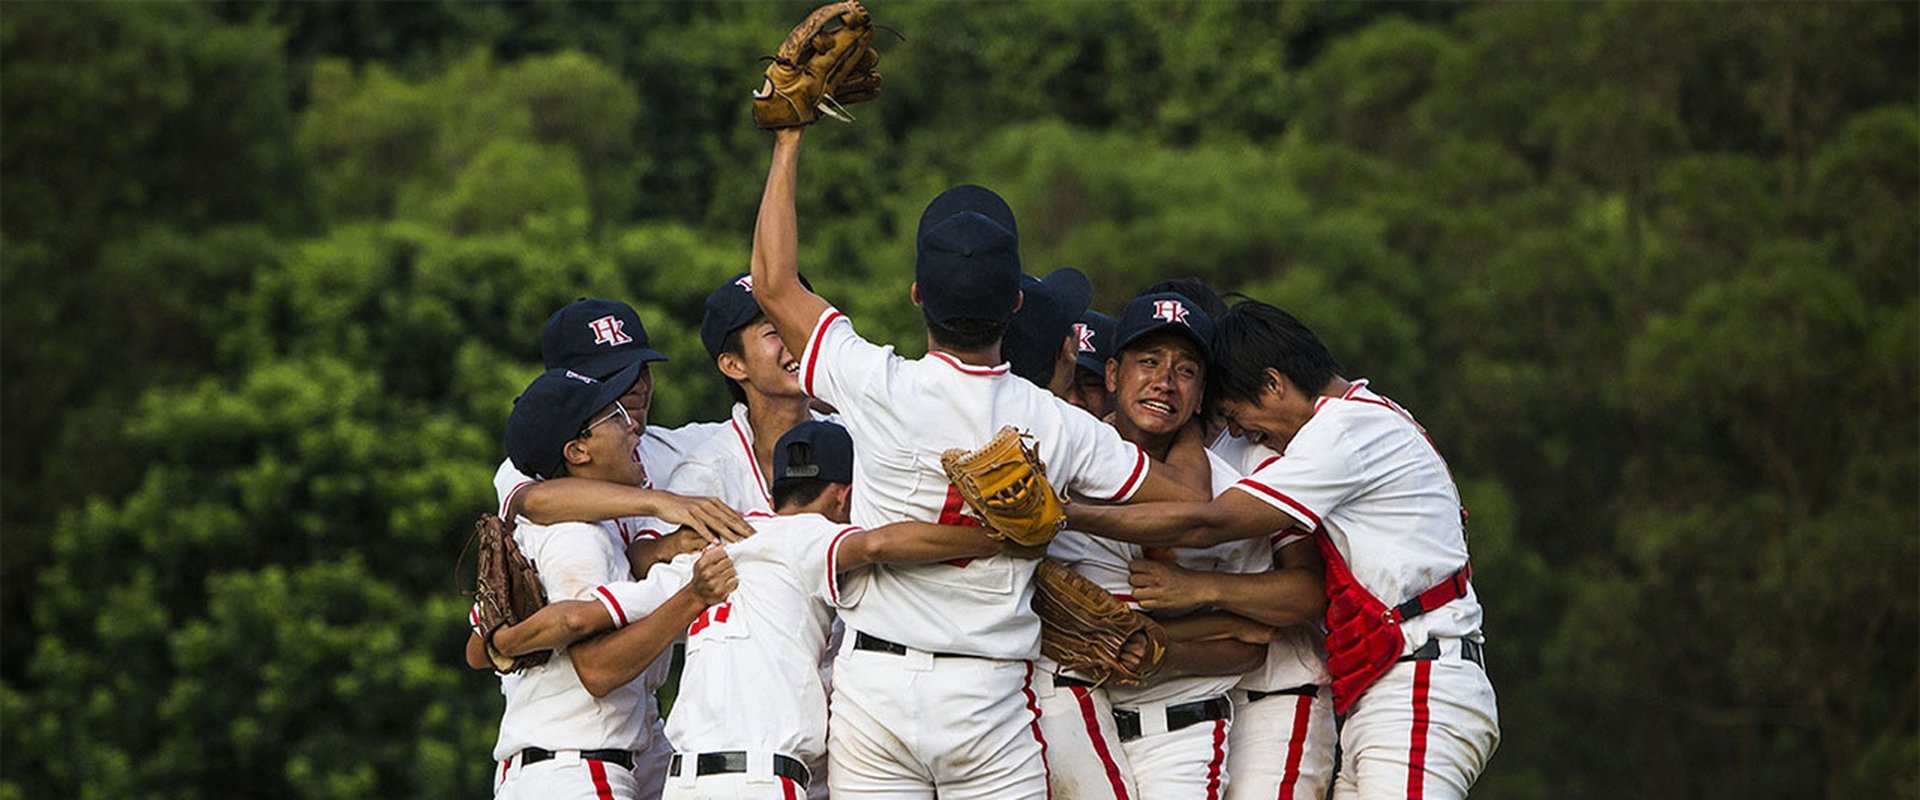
column 272, row 273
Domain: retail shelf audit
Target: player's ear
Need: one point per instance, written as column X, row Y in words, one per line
column 1113, row 373
column 842, row 505
column 1277, row 385
column 913, row 291
column 732, row 366
column 576, row 454
column 1019, row 299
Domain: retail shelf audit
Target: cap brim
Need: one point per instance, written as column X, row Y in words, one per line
column 614, row 386
column 1206, row 347
column 604, row 366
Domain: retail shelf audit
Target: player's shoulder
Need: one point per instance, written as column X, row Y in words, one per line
column 569, row 536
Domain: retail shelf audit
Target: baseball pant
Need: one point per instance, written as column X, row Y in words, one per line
column 907, row 724
column 759, row 782
column 650, row 765
column 1187, row 764
column 1084, row 757
column 1281, row 747
column 1424, row 731
column 566, row 776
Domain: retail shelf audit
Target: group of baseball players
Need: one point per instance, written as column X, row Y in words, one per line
column 849, row 626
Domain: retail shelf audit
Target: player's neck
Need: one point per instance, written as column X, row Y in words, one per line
column 771, row 417
column 1153, row 444
column 988, row 356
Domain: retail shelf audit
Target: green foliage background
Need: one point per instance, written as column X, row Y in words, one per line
column 1650, row 273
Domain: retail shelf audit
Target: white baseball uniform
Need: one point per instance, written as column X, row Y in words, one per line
column 548, row 708
column 1190, row 762
column 739, row 692
column 723, row 466
column 933, row 688
column 1364, row 475
column 1283, row 737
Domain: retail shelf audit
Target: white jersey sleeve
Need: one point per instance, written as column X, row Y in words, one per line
column 1103, row 466
column 840, row 367
column 630, row 601
column 1316, row 476
column 508, row 482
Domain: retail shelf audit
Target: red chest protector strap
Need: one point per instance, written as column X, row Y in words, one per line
column 1363, row 633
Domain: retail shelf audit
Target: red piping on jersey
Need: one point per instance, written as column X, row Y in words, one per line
column 1219, row 759
column 1087, row 714
column 812, row 354
column 617, row 610
column 1033, row 705
column 507, row 502
column 1139, row 469
column 753, row 462
column 1251, row 485
column 1266, row 463
column 1296, row 748
column 758, row 514
column 1417, row 748
column 602, row 791
column 833, row 564
column 968, row 368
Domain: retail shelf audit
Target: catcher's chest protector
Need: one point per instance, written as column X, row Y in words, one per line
column 1363, row 633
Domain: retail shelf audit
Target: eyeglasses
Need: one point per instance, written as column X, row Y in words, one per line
column 619, row 412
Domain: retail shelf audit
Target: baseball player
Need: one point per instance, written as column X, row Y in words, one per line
column 1039, row 344
column 1404, row 643
column 598, row 337
column 1093, row 345
column 746, row 722
column 1174, row 730
column 579, row 725
column 933, row 690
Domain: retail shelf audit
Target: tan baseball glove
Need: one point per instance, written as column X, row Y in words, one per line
column 1005, row 484
column 507, row 590
column 1088, row 630
column 826, row 62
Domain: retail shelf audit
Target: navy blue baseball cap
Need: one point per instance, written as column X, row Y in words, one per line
column 968, row 258
column 814, row 449
column 595, row 337
column 553, row 411
column 1161, row 310
column 729, row 308
column 1043, row 321
column 1095, row 331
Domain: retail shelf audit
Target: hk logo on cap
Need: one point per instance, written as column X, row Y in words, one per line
column 745, row 283
column 609, row 330
column 1085, row 333
column 1171, row 311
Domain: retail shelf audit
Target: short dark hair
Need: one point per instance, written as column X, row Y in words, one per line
column 1254, row 336
column 1193, row 289
column 733, row 344
column 797, row 491
column 962, row 333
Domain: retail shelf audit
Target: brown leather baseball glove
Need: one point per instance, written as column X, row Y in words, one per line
column 826, row 62
column 507, row 590
column 1087, row 630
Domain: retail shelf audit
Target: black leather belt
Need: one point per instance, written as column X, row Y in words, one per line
column 1127, row 723
column 1308, row 690
column 862, row 641
column 535, row 755
column 735, row 761
column 1063, row 681
column 1470, row 650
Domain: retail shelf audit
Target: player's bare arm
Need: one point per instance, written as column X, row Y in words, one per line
column 1233, row 515
column 1212, row 657
column 921, row 543
column 791, row 306
column 574, row 499
column 1217, row 626
column 643, row 553
column 610, row 661
column 1292, row 593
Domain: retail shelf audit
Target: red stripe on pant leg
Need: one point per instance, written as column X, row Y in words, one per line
column 1417, row 747
column 504, row 766
column 1302, row 712
column 786, row 785
column 1033, row 705
column 599, row 771
column 1087, row 714
column 1219, row 759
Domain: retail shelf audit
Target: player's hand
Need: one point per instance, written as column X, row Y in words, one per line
column 713, row 520
column 1241, row 629
column 1017, row 550
column 713, row 577
column 1160, row 586
column 1133, row 654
